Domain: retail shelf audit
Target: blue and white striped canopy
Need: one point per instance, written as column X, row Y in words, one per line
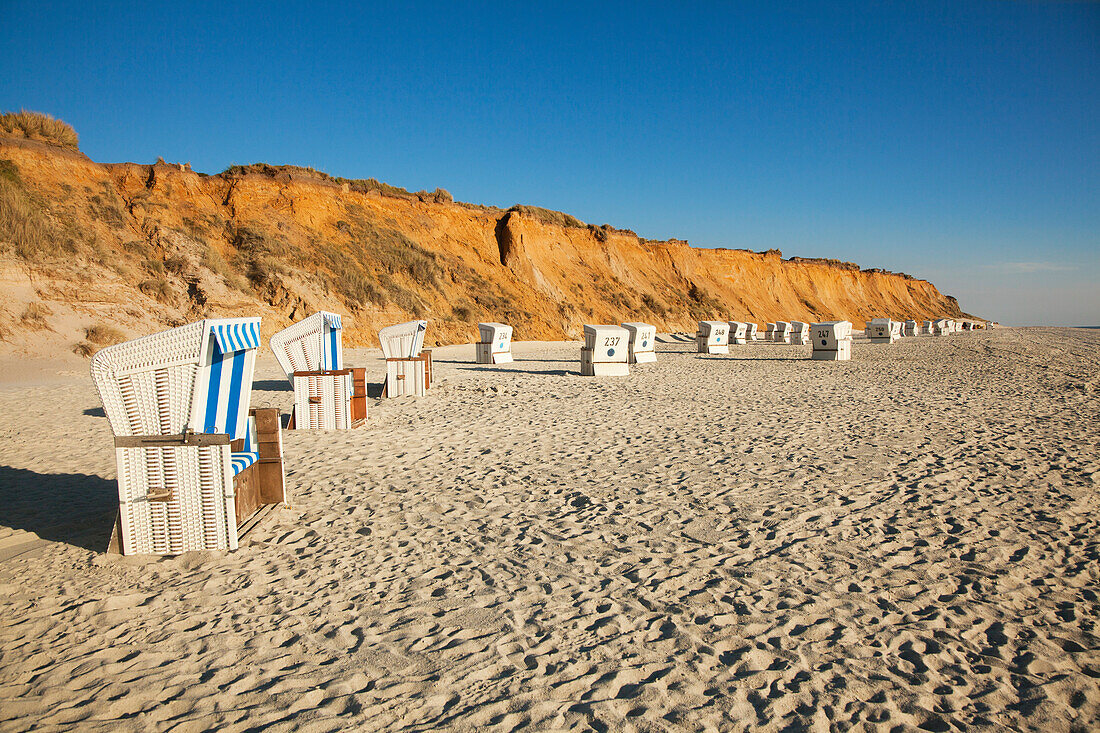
column 238, row 335
column 224, row 382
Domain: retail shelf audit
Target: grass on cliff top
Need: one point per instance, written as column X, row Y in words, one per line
column 549, row 216
column 362, row 185
column 39, row 126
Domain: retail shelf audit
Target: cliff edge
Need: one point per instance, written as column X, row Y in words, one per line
column 91, row 253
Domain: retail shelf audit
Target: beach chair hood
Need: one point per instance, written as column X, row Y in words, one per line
column 195, row 378
column 403, row 340
column 312, row 344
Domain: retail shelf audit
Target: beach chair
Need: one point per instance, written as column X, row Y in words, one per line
column 195, row 464
column 752, row 331
column 739, row 332
column 832, row 341
column 408, row 363
column 641, row 338
column 326, row 395
column 495, row 346
column 606, row 351
column 883, row 330
column 800, row 332
column 712, row 337
column 782, row 333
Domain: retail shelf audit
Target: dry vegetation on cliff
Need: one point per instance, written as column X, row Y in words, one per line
column 38, row 126
column 88, row 247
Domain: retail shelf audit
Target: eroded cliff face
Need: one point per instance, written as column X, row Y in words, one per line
column 138, row 248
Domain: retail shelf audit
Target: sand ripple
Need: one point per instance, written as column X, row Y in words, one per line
column 904, row 542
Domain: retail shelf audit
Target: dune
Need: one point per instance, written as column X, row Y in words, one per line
column 905, row 541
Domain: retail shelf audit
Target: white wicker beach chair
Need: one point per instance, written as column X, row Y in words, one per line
column 408, row 363
column 193, row 463
column 800, row 332
column 495, row 346
column 883, row 330
column 641, row 342
column 782, row 333
column 739, row 332
column 326, row 395
column 832, row 341
column 712, row 337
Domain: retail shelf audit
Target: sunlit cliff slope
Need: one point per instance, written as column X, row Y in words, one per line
column 90, row 253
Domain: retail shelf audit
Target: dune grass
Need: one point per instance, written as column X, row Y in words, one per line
column 24, row 227
column 103, row 335
column 39, row 126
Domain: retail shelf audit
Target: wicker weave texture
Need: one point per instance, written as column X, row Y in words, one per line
column 198, row 514
column 312, row 344
column 147, row 385
column 406, row 377
column 402, row 340
column 322, row 401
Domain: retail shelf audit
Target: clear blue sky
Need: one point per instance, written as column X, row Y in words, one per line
column 956, row 141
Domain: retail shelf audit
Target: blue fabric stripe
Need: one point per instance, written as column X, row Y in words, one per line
column 333, row 334
column 236, row 380
column 247, row 440
column 241, row 461
column 210, row 423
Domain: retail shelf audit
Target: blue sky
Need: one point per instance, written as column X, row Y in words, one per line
column 956, row 141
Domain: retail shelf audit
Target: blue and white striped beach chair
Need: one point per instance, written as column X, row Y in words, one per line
column 326, row 395
column 193, row 464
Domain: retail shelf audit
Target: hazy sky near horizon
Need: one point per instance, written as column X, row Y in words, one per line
column 956, row 141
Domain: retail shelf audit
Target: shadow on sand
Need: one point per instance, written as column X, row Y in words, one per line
column 271, row 385
column 546, row 372
column 74, row 508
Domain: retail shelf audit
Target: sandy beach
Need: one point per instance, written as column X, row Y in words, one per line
column 906, row 541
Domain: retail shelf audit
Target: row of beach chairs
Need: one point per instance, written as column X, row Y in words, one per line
column 196, row 464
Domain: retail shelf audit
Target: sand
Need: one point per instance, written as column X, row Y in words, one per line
column 756, row 541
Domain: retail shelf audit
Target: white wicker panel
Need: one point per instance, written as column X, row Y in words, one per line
column 199, row 515
column 402, row 339
column 132, row 364
column 297, row 348
column 406, row 378
column 332, row 411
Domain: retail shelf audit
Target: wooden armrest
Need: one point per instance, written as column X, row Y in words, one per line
column 168, row 441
